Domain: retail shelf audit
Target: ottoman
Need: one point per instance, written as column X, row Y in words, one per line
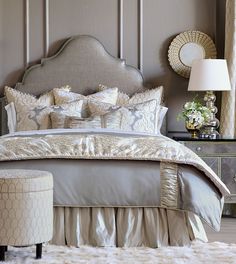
column 26, row 209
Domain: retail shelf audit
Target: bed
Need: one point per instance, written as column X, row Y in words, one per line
column 112, row 188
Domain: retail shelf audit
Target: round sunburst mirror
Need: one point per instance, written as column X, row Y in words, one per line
column 187, row 47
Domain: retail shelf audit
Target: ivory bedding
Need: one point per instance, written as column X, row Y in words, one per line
column 128, row 170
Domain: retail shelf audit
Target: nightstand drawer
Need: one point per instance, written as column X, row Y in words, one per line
column 228, row 167
column 214, row 164
column 212, row 148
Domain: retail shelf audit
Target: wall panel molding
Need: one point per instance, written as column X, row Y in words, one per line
column 46, row 27
column 26, row 33
column 121, row 28
column 140, row 35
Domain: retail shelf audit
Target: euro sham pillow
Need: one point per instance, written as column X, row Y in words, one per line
column 18, row 100
column 123, row 99
column 38, row 118
column 141, row 117
column 30, row 117
column 15, row 96
column 11, row 117
column 107, row 96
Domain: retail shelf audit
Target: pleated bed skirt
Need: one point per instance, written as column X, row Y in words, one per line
column 125, row 227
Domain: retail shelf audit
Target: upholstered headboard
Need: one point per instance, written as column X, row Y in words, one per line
column 83, row 63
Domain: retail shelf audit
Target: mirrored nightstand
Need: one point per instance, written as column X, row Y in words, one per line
column 220, row 155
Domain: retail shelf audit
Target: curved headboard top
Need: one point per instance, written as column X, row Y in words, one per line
column 83, row 63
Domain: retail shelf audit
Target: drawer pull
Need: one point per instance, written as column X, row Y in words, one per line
column 198, row 149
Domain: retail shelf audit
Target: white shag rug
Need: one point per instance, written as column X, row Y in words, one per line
column 198, row 253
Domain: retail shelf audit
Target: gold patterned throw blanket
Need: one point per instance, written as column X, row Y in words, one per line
column 83, row 144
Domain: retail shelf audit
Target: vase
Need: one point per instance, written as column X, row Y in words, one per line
column 193, row 129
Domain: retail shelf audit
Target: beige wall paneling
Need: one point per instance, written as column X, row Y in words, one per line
column 12, row 41
column 36, row 30
column 130, row 30
column 116, row 23
column 163, row 20
column 91, row 17
column 140, row 35
column 1, row 42
column 121, row 29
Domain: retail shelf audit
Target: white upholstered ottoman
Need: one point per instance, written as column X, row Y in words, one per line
column 26, row 209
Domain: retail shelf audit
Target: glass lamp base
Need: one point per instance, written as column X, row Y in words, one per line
column 209, row 133
column 209, row 129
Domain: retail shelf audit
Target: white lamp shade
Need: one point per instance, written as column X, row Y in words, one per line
column 209, row 75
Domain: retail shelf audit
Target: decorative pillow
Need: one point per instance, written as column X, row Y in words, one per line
column 31, row 117
column 106, row 96
column 15, row 96
column 11, row 117
column 124, row 99
column 91, row 122
column 21, row 101
column 139, row 117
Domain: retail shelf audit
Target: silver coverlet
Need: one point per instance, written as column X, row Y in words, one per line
column 176, row 185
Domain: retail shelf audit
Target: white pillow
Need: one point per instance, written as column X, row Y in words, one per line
column 31, row 117
column 11, row 117
column 15, row 96
column 124, row 99
column 19, row 102
column 141, row 117
column 106, row 96
column 76, row 122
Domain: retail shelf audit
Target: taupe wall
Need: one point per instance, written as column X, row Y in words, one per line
column 31, row 29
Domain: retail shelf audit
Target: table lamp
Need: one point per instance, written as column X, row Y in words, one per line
column 209, row 75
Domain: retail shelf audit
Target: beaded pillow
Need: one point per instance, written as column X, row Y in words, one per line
column 107, row 96
column 124, row 99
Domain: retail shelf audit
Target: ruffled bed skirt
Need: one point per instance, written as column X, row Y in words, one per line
column 125, row 227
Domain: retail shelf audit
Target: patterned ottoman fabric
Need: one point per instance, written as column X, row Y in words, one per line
column 26, row 207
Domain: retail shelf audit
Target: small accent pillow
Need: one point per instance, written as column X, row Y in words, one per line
column 124, row 99
column 107, row 96
column 31, row 117
column 83, row 123
column 141, row 117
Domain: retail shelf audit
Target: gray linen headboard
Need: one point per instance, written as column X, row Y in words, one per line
column 83, row 63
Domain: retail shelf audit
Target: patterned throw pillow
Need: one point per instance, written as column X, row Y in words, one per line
column 30, row 117
column 106, row 96
column 22, row 102
column 124, row 99
column 141, row 117
column 83, row 123
column 15, row 96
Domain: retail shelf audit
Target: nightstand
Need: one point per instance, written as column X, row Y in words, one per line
column 220, row 155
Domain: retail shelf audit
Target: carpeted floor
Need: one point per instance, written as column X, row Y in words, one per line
column 199, row 252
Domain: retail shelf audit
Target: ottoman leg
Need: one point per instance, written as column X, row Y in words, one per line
column 2, row 253
column 39, row 251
